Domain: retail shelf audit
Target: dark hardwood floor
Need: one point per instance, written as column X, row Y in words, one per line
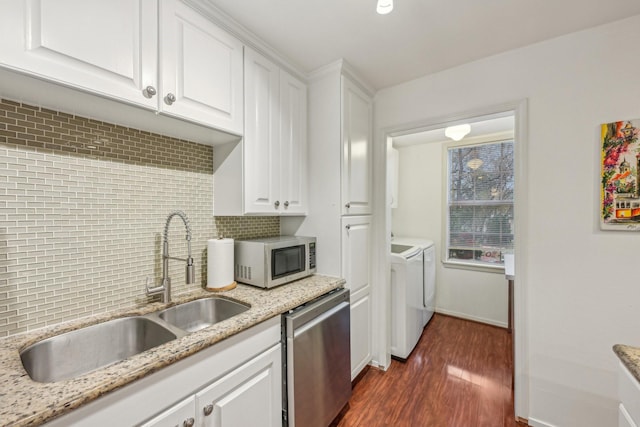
column 459, row 375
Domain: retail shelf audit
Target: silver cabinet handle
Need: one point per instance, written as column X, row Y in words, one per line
column 189, row 422
column 208, row 410
column 169, row 99
column 286, row 204
column 277, row 203
column 348, row 205
column 149, row 92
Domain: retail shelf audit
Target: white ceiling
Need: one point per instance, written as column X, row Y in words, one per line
column 481, row 129
column 419, row 37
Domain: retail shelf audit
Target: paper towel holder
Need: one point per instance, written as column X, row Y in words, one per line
column 222, row 289
column 224, row 266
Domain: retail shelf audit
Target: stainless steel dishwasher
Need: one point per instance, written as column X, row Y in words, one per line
column 317, row 350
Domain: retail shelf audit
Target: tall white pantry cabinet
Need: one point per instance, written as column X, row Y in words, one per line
column 340, row 177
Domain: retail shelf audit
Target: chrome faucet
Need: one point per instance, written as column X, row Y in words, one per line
column 165, row 286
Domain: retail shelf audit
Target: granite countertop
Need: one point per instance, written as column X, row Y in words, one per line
column 24, row 402
column 630, row 357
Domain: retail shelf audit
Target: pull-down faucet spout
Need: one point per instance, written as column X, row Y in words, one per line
column 165, row 286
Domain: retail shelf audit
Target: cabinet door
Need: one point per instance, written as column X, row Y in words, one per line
column 105, row 47
column 356, row 266
column 356, row 150
column 356, row 256
column 360, row 332
column 200, row 69
column 261, row 145
column 624, row 419
column 249, row 396
column 181, row 414
column 293, row 145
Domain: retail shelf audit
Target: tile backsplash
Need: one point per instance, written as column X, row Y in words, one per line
column 83, row 205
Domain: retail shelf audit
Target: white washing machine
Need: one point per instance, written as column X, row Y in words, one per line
column 406, row 298
column 412, row 292
column 429, row 273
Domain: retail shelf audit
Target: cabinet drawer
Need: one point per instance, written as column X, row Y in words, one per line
column 629, row 393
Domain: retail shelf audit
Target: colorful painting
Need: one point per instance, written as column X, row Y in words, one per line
column 620, row 192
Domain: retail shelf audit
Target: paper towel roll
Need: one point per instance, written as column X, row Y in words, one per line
column 219, row 263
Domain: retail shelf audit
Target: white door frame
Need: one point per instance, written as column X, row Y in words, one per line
column 381, row 279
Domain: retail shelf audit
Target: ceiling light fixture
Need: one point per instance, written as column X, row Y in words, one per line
column 457, row 132
column 384, row 6
column 474, row 163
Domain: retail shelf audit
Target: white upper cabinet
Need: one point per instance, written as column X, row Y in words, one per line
column 106, row 47
column 160, row 55
column 200, row 69
column 293, row 145
column 269, row 167
column 262, row 134
column 356, row 149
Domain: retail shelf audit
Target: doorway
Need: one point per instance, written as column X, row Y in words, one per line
column 459, row 194
column 391, row 219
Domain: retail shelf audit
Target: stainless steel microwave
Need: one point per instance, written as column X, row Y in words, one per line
column 274, row 261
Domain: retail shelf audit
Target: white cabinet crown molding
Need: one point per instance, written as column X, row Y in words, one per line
column 341, row 66
column 228, row 23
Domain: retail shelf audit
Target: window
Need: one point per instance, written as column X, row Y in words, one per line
column 479, row 203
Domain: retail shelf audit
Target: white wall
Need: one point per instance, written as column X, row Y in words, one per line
column 582, row 291
column 475, row 295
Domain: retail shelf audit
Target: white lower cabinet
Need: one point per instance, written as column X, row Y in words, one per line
column 624, row 419
column 255, row 385
column 356, row 267
column 181, row 414
column 360, row 331
column 629, row 395
column 234, row 383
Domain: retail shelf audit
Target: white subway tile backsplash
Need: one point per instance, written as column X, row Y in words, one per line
column 81, row 229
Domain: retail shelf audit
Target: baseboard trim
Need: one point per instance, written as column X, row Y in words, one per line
column 451, row 313
column 359, row 377
column 537, row 423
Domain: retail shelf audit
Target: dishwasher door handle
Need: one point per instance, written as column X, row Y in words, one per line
column 319, row 319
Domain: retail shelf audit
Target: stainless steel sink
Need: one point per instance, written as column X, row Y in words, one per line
column 195, row 315
column 75, row 353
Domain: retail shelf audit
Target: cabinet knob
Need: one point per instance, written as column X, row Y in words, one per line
column 169, row 99
column 208, row 410
column 348, row 205
column 149, row 92
column 286, row 204
column 189, row 422
column 277, row 203
column 348, row 227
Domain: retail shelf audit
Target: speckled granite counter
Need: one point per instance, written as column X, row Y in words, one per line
column 630, row 357
column 24, row 402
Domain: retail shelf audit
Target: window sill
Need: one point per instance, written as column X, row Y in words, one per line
column 474, row 266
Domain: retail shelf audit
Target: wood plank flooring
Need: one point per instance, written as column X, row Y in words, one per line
column 459, row 375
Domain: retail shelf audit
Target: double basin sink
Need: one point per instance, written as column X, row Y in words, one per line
column 78, row 352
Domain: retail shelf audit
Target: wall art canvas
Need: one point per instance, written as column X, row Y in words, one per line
column 620, row 189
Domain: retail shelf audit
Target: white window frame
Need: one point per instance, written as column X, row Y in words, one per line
column 459, row 263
